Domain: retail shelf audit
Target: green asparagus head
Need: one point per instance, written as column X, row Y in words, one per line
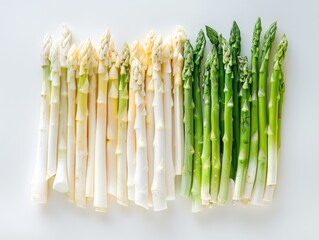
column 256, row 34
column 199, row 47
column 227, row 57
column 244, row 71
column 281, row 53
column 269, row 38
column 220, row 47
column 207, row 67
column 188, row 61
column 234, row 40
column 212, row 35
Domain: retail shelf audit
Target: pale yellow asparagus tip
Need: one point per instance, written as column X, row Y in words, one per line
column 46, row 46
column 157, row 52
column 66, row 41
column 150, row 38
column 134, row 50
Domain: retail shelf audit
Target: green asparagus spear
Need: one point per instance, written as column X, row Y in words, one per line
column 234, row 43
column 221, row 92
column 228, row 125
column 273, row 113
column 215, row 132
column 198, row 123
column 187, row 77
column 280, row 106
column 215, row 40
column 207, row 146
column 245, row 79
column 260, row 180
column 253, row 150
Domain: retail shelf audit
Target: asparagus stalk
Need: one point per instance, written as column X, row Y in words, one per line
column 207, row 145
column 245, row 79
column 81, row 151
column 273, row 109
column 149, row 85
column 141, row 195
column 54, row 109
column 228, row 125
column 112, row 107
column 60, row 183
column 159, row 183
column 122, row 128
column 253, row 149
column 141, row 175
column 89, row 186
column 39, row 183
column 260, row 181
column 177, row 64
column 234, row 43
column 215, row 130
column 269, row 190
column 216, row 41
column 72, row 68
column 168, row 104
column 187, row 76
column 100, row 176
column 280, row 109
column 131, row 145
column 198, row 123
column 221, row 92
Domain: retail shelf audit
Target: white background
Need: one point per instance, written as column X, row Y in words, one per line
column 294, row 212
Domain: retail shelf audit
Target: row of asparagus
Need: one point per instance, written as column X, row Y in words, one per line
column 127, row 124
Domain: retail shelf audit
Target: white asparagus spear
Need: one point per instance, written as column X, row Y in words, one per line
column 168, row 104
column 178, row 60
column 39, row 191
column 112, row 105
column 72, row 67
column 141, row 174
column 122, row 128
column 89, row 185
column 131, row 147
column 100, row 177
column 159, row 180
column 149, row 111
column 60, row 183
column 54, row 109
column 81, row 151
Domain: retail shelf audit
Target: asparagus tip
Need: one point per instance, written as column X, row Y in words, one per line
column 46, row 47
column 199, row 47
column 212, row 35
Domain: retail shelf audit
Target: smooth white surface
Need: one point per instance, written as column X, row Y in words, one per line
column 294, row 212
